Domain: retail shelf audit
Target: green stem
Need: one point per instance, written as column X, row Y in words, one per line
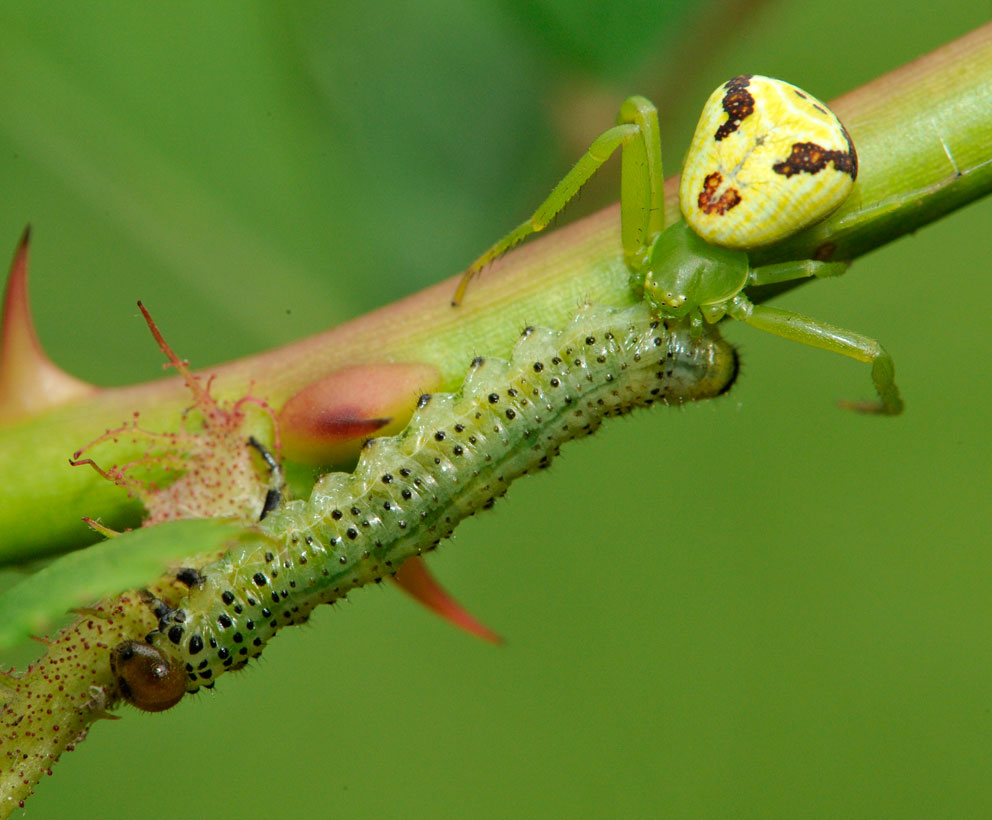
column 925, row 145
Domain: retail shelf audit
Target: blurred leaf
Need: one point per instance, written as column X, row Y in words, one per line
column 424, row 134
column 87, row 575
column 607, row 39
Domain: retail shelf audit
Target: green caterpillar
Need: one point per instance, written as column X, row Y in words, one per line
column 459, row 453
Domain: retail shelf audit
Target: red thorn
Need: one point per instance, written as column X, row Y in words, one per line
column 415, row 579
column 346, row 424
column 29, row 381
column 328, row 420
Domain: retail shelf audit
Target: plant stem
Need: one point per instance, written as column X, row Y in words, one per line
column 924, row 140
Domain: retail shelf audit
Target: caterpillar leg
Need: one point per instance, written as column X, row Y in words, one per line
column 813, row 332
column 642, row 180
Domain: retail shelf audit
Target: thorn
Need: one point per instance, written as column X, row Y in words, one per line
column 416, row 580
column 29, row 381
column 102, row 714
column 42, row 640
column 349, row 425
column 329, row 420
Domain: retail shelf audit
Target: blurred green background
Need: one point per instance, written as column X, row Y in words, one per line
column 757, row 607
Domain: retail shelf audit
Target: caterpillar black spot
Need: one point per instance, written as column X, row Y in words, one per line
column 458, row 454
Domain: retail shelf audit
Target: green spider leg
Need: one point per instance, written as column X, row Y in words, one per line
column 642, row 197
column 813, row 332
column 642, row 219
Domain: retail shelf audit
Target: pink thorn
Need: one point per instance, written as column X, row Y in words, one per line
column 416, row 580
column 29, row 381
column 328, row 420
column 347, row 424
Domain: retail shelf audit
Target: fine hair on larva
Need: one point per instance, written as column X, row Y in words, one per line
column 459, row 453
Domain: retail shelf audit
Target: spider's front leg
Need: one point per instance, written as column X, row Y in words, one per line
column 642, row 202
column 815, row 333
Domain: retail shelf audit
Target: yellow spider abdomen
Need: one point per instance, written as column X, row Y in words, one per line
column 767, row 159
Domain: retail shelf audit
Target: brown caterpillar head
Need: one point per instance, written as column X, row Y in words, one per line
column 145, row 677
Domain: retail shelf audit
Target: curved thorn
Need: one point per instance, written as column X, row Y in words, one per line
column 416, row 580
column 29, row 380
column 329, row 420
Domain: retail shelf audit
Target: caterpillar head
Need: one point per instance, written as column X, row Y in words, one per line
column 145, row 677
column 767, row 160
